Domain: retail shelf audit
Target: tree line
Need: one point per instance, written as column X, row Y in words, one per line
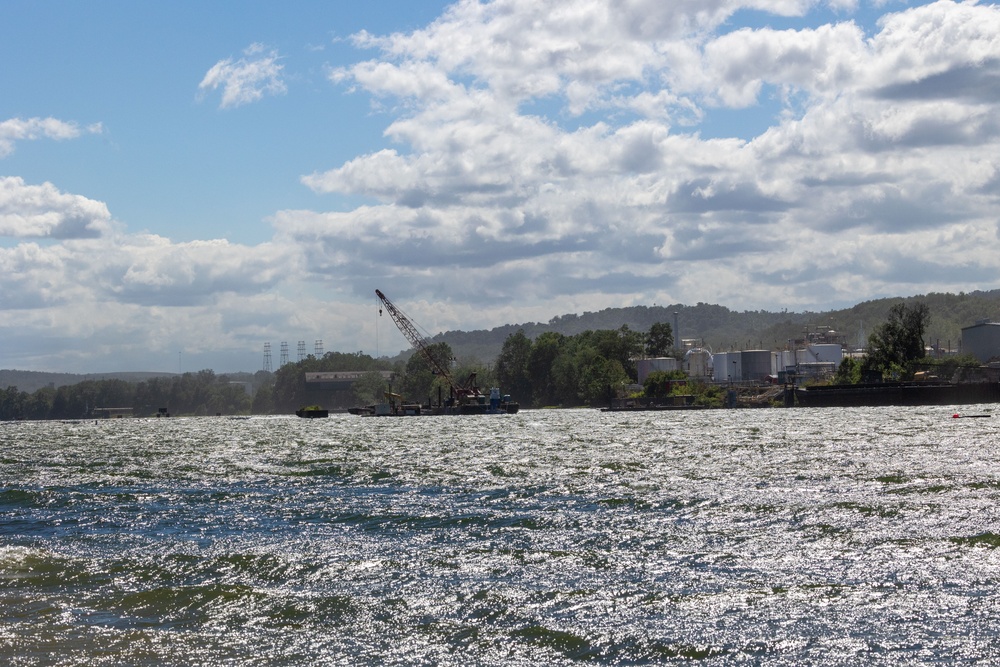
column 584, row 369
column 201, row 393
column 555, row 369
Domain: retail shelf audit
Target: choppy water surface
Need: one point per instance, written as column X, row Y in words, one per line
column 828, row 536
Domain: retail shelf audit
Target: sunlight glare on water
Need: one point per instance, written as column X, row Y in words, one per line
column 833, row 536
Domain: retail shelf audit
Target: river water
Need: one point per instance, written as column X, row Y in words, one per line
column 784, row 537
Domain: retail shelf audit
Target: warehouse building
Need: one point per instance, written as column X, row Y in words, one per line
column 982, row 340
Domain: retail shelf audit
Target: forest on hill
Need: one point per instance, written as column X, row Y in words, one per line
column 32, row 381
column 572, row 360
column 721, row 329
column 716, row 327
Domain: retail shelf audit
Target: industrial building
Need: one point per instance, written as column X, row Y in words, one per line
column 339, row 380
column 982, row 340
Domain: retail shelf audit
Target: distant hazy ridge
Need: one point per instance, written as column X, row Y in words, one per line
column 717, row 327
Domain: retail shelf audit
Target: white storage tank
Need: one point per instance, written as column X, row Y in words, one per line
column 756, row 365
column 728, row 367
column 697, row 362
column 719, row 361
column 646, row 366
column 786, row 360
column 826, row 352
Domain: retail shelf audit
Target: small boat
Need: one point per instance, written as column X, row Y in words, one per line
column 312, row 412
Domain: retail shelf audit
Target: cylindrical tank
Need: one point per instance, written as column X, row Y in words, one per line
column 646, row 366
column 728, row 367
column 719, row 360
column 756, row 365
column 697, row 362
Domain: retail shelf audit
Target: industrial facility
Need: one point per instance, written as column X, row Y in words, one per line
column 811, row 360
column 982, row 340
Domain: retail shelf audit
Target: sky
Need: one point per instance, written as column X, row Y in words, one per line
column 181, row 183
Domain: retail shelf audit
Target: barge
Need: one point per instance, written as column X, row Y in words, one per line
column 479, row 404
column 898, row 393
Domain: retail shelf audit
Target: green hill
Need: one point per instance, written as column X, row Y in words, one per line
column 722, row 329
column 716, row 327
column 32, row 381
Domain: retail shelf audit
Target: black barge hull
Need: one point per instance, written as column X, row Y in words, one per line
column 899, row 393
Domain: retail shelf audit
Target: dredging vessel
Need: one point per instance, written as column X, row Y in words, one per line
column 465, row 398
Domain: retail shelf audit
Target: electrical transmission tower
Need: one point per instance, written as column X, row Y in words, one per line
column 284, row 354
column 267, row 357
column 302, row 350
column 318, row 350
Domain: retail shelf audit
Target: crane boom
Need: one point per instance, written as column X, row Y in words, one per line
column 416, row 340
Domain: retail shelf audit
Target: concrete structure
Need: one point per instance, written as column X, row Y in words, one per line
column 664, row 364
column 339, row 380
column 982, row 340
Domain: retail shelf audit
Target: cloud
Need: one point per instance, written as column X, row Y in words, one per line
column 151, row 270
column 248, row 79
column 733, row 68
column 18, row 129
column 477, row 185
column 962, row 81
column 42, row 211
column 145, row 270
column 540, row 160
column 133, row 300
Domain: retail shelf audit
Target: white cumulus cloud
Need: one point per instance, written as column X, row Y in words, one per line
column 565, row 143
column 539, row 159
column 42, row 211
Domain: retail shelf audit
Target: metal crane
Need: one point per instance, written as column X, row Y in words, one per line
column 408, row 330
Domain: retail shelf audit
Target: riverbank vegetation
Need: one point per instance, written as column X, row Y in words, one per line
column 549, row 369
column 896, row 351
column 201, row 393
column 554, row 370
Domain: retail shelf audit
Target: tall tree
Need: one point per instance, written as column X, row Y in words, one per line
column 659, row 340
column 622, row 345
column 897, row 341
column 541, row 365
column 512, row 367
column 369, row 388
